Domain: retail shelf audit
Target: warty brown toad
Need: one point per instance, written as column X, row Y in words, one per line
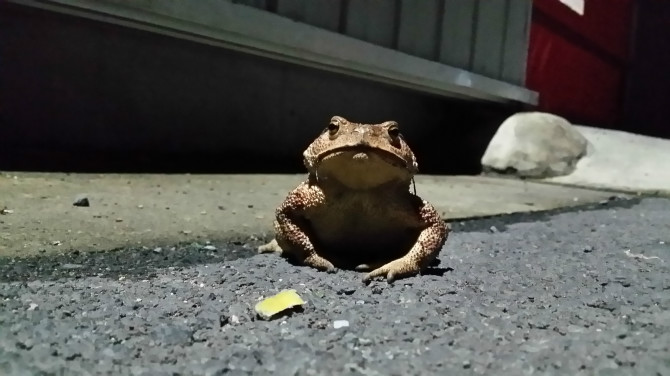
column 355, row 210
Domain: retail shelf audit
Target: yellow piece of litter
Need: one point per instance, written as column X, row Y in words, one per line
column 280, row 302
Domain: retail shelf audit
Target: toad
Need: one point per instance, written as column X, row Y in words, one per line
column 355, row 209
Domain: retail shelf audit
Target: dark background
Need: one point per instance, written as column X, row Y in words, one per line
column 78, row 95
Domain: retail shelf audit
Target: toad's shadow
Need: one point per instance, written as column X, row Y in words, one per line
column 127, row 262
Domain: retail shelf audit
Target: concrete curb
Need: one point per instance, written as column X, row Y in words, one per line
column 621, row 161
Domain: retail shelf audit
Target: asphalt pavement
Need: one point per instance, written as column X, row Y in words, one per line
column 584, row 291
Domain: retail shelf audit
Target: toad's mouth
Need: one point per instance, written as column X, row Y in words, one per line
column 362, row 167
column 364, row 153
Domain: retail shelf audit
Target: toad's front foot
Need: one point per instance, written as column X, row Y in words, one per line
column 320, row 263
column 400, row 268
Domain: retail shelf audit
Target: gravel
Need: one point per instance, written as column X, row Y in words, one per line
column 579, row 292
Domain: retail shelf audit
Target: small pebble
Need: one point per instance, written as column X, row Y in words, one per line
column 71, row 266
column 337, row 324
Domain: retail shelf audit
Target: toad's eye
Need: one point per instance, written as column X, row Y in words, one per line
column 394, row 131
column 333, row 128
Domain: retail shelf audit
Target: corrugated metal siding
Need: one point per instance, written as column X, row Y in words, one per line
column 323, row 14
column 488, row 37
column 372, row 21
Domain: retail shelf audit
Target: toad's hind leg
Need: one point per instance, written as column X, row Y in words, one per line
column 313, row 260
column 271, row 247
column 303, row 255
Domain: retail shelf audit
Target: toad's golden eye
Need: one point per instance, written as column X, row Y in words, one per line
column 394, row 131
column 333, row 128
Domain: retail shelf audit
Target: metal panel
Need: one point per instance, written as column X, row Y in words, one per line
column 419, row 29
column 515, row 50
column 233, row 26
column 372, row 21
column 489, row 37
column 457, row 33
column 324, row 14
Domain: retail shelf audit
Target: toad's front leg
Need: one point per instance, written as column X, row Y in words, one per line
column 291, row 230
column 423, row 252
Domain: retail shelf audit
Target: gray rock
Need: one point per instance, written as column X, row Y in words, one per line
column 534, row 144
column 81, row 201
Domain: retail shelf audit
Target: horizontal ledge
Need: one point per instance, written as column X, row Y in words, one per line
column 234, row 26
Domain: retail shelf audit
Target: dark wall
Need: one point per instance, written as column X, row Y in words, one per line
column 81, row 95
column 647, row 102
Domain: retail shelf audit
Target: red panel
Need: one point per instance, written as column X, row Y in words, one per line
column 605, row 22
column 572, row 81
column 577, row 63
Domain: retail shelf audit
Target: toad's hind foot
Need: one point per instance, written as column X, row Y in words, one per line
column 271, row 247
column 312, row 260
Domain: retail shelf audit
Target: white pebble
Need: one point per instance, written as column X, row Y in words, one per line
column 337, row 324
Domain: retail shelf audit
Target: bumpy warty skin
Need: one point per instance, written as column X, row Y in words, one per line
column 355, row 209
